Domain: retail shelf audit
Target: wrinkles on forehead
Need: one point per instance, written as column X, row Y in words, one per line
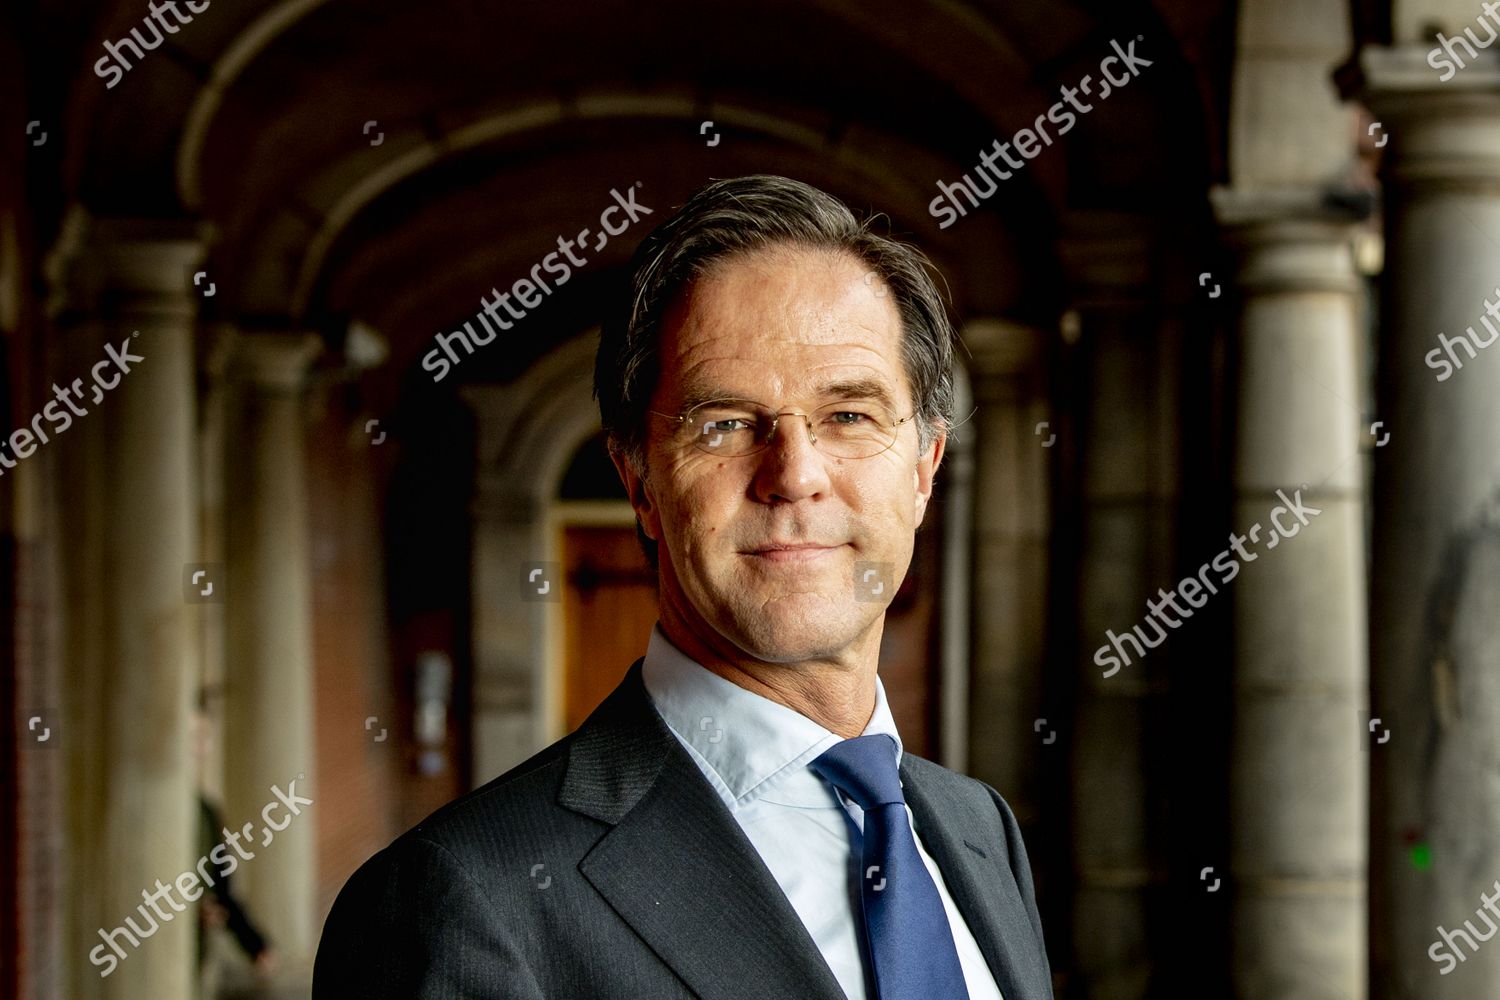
column 787, row 322
column 696, row 389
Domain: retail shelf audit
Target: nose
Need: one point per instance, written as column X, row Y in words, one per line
column 791, row 467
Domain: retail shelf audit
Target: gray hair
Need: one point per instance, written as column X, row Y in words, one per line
column 738, row 216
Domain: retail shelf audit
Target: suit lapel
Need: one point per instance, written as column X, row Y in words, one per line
column 677, row 867
column 974, row 866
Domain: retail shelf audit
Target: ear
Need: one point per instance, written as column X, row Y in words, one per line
column 639, row 491
column 926, row 471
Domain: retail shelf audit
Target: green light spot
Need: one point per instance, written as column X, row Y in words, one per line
column 1421, row 857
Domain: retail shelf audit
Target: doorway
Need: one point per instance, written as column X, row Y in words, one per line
column 608, row 606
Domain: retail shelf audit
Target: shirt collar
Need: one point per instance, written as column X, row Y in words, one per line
column 751, row 743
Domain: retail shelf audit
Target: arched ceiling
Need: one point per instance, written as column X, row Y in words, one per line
column 502, row 127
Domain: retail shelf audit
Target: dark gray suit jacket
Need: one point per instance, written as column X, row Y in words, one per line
column 607, row 867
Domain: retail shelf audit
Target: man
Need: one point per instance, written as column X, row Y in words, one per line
column 738, row 819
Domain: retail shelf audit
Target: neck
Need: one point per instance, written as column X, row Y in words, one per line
column 837, row 692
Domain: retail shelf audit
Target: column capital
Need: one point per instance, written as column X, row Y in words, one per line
column 270, row 361
column 1109, row 258
column 1003, row 348
column 141, row 264
column 1387, row 70
column 1443, row 132
column 1288, row 240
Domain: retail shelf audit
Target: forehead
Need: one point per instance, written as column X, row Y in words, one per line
column 782, row 323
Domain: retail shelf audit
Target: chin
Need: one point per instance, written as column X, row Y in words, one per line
column 800, row 627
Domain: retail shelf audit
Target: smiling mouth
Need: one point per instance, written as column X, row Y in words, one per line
column 794, row 554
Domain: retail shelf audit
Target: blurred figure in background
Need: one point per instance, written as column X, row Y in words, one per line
column 219, row 972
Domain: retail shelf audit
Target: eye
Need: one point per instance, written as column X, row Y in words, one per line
column 855, row 415
column 725, row 425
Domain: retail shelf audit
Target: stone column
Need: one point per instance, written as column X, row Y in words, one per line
column 1011, row 523
column 268, row 694
column 955, row 711
column 1130, row 470
column 527, row 432
column 213, row 444
column 1297, row 774
column 516, row 695
column 127, row 512
column 1435, row 595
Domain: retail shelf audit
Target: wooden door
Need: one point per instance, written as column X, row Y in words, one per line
column 609, row 606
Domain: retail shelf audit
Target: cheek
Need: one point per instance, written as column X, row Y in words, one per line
column 886, row 494
column 703, row 501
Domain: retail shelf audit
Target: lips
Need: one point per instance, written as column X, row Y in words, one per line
column 783, row 546
column 801, row 552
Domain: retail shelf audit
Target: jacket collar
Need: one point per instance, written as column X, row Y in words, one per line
column 677, row 867
column 963, row 835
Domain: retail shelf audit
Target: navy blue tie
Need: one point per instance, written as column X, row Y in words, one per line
column 911, row 944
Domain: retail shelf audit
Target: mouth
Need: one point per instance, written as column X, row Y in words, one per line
column 793, row 553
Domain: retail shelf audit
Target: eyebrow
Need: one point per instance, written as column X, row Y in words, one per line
column 853, row 388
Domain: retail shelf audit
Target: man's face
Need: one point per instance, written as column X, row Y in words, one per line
column 777, row 327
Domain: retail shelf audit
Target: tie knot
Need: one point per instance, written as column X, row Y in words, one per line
column 865, row 768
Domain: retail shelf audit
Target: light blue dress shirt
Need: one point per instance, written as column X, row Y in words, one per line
column 755, row 752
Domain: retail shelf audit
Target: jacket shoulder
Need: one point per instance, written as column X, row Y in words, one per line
column 512, row 802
